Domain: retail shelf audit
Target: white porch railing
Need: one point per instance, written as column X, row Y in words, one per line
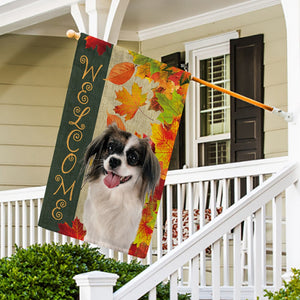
column 252, row 205
column 188, row 192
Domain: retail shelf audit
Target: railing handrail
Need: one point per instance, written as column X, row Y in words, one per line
column 23, row 194
column 241, row 169
column 230, row 170
column 207, row 235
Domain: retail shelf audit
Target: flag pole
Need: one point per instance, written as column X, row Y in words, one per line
column 287, row 116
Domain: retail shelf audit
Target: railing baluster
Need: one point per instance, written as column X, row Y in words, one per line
column 225, row 205
column 17, row 223
column 237, row 267
column 194, row 282
column 32, row 222
column 9, row 229
column 2, row 231
column 215, row 261
column 263, row 246
column 258, row 288
column 169, row 217
column 237, row 189
column 159, row 231
column 190, row 208
column 277, row 240
column 24, row 224
column 152, row 294
column 212, row 200
column 179, row 228
column 173, row 286
column 48, row 236
column 249, row 183
column 39, row 230
column 202, row 201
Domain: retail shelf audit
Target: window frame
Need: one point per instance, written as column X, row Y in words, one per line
column 196, row 51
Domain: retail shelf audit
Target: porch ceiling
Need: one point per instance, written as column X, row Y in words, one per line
column 143, row 19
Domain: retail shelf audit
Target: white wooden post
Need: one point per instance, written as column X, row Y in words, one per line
column 292, row 18
column 96, row 285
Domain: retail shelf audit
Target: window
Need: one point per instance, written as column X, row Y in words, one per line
column 208, row 110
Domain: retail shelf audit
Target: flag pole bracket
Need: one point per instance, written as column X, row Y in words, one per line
column 285, row 115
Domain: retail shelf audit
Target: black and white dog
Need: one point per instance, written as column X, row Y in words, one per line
column 120, row 169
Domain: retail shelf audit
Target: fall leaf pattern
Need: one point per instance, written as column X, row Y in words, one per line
column 94, row 43
column 121, row 73
column 166, row 91
column 76, row 231
column 130, row 102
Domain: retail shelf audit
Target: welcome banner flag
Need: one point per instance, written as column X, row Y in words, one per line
column 119, row 124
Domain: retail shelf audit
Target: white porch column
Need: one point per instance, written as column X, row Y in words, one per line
column 96, row 285
column 105, row 18
column 292, row 17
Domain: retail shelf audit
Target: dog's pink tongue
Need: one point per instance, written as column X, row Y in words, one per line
column 111, row 180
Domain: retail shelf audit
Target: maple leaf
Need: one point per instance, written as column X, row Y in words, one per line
column 94, row 43
column 163, row 137
column 115, row 119
column 130, row 102
column 139, row 59
column 121, row 73
column 143, row 71
column 176, row 77
column 139, row 251
column 185, row 78
column 171, row 108
column 76, row 231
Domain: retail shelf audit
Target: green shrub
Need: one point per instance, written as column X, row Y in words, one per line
column 290, row 291
column 46, row 272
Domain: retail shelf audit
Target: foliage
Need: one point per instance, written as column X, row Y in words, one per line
column 47, row 271
column 290, row 291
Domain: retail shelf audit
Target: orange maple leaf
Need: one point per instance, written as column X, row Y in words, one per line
column 130, row 102
column 163, row 136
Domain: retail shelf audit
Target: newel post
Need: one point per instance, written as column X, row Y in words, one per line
column 96, row 285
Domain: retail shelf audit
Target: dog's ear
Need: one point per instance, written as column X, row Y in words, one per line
column 151, row 168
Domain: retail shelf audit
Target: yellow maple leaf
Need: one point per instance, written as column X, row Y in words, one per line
column 130, row 102
column 163, row 136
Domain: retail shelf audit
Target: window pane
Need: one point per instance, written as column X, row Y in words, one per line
column 214, row 105
column 214, row 153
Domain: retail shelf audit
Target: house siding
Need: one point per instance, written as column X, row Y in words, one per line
column 271, row 23
column 35, row 72
column 34, row 75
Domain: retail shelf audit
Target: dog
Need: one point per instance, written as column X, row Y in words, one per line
column 120, row 169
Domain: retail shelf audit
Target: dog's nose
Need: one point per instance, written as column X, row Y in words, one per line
column 114, row 162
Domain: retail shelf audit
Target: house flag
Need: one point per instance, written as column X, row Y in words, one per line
column 115, row 141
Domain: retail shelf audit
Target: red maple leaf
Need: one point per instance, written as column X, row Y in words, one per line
column 94, row 43
column 76, row 231
column 140, row 251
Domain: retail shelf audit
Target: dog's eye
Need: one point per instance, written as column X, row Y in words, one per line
column 110, row 148
column 132, row 158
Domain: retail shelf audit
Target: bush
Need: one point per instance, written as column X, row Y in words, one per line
column 290, row 291
column 47, row 271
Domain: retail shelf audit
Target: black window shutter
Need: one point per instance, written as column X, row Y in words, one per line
column 178, row 155
column 246, row 78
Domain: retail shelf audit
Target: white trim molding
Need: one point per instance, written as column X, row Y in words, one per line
column 206, row 18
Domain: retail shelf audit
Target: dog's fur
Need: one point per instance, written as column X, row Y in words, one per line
column 120, row 169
